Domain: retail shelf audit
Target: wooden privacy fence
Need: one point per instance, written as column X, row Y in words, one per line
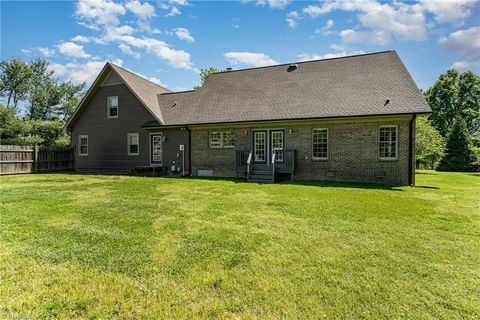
column 32, row 159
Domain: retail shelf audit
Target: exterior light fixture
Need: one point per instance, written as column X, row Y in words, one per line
column 290, row 131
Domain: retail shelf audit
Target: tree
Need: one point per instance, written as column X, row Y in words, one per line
column 204, row 74
column 458, row 156
column 454, row 95
column 15, row 78
column 429, row 144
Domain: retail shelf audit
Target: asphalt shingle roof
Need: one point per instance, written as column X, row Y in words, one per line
column 144, row 89
column 339, row 87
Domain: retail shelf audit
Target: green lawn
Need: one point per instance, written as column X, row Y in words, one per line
column 100, row 246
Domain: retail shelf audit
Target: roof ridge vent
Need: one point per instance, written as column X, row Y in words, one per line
column 292, row 67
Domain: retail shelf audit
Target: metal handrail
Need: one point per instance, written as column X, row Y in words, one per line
column 273, row 165
column 249, row 162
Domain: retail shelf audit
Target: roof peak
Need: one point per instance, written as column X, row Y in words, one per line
column 135, row 74
column 303, row 62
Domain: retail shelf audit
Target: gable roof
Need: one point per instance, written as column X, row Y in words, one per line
column 339, row 87
column 145, row 90
column 329, row 88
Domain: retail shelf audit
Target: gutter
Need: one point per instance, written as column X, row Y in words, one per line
column 189, row 150
column 411, row 156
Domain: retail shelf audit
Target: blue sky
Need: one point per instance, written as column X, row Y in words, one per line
column 170, row 41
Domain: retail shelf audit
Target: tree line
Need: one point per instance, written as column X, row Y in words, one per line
column 448, row 139
column 35, row 104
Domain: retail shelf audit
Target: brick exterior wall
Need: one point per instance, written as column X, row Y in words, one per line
column 353, row 152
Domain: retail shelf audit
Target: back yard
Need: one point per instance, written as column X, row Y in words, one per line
column 92, row 246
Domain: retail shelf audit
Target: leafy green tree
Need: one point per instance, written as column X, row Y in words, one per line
column 458, row 156
column 71, row 96
column 455, row 94
column 429, row 144
column 204, row 74
column 15, row 76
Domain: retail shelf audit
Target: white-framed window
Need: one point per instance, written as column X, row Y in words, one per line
column 133, row 144
column 112, row 107
column 221, row 139
column 228, row 139
column 320, row 143
column 388, row 143
column 83, row 145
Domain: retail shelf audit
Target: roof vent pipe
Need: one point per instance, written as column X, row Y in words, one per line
column 292, row 67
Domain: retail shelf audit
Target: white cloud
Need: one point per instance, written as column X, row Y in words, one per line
column 105, row 15
column 278, row 4
column 252, row 59
column 235, row 25
column 80, row 72
column 292, row 19
column 173, row 12
column 365, row 37
column 153, row 79
column 127, row 50
column 93, row 13
column 275, row 4
column 176, row 58
column 183, row 34
column 448, row 11
column 466, row 43
column 82, row 39
column 144, row 11
column 315, row 56
column 44, row 51
column 327, row 29
column 179, row 2
column 72, row 50
column 404, row 21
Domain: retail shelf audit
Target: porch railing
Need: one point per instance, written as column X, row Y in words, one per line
column 243, row 161
column 283, row 161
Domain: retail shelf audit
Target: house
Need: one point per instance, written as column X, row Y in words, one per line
column 346, row 119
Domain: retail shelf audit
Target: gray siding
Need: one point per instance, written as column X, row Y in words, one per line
column 107, row 138
column 171, row 147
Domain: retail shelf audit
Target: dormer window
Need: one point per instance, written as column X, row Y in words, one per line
column 112, row 107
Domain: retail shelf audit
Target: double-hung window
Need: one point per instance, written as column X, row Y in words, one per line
column 112, row 107
column 388, row 143
column 221, row 139
column 133, row 144
column 83, row 145
column 320, row 144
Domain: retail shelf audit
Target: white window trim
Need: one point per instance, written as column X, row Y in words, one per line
column 150, row 148
column 223, row 144
column 80, row 137
column 108, row 108
column 328, row 144
column 396, row 144
column 128, row 144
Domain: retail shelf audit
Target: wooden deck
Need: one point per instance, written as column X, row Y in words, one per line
column 264, row 173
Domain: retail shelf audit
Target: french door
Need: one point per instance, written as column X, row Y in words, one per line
column 265, row 142
column 260, row 146
column 156, row 150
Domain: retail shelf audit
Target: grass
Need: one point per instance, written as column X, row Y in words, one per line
column 98, row 246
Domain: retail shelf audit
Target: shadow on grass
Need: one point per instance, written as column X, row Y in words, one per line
column 427, row 187
column 310, row 183
column 341, row 184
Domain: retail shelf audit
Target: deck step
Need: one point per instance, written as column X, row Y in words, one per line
column 258, row 180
